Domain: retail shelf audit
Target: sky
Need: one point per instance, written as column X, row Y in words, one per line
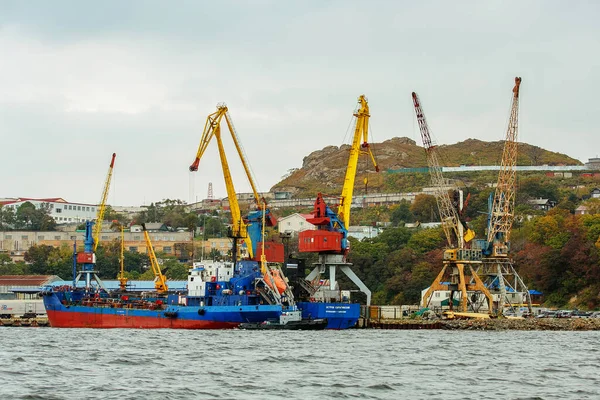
column 80, row 80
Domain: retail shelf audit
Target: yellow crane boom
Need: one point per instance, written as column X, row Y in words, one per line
column 361, row 131
column 212, row 128
column 102, row 206
column 160, row 281
column 503, row 206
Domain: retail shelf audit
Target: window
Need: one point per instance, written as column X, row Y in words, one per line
column 437, row 294
column 24, row 237
column 58, row 210
column 87, row 209
column 78, row 208
column 41, row 237
column 93, row 209
column 167, row 249
column 289, row 223
column 56, row 237
column 104, row 237
column 133, row 248
column 69, row 219
column 137, row 238
column 301, row 223
column 8, row 237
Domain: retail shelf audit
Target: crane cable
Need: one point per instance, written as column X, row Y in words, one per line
column 244, row 155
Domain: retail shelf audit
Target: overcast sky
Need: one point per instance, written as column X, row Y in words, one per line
column 80, row 80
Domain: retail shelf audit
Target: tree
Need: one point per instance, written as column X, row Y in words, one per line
column 37, row 257
column 425, row 240
column 112, row 215
column 395, row 238
column 424, row 208
column 7, row 218
column 402, row 213
column 28, row 217
column 8, row 267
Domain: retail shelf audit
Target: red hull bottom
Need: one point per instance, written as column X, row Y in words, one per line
column 59, row 319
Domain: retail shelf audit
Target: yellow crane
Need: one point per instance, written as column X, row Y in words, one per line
column 497, row 267
column 102, row 206
column 458, row 262
column 361, row 131
column 160, row 281
column 212, row 128
column 330, row 239
column 456, row 231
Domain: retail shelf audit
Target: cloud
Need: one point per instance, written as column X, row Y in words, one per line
column 81, row 80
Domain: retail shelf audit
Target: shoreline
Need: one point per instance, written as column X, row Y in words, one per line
column 502, row 324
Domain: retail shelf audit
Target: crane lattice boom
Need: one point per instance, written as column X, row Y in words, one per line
column 503, row 205
column 102, row 206
column 451, row 224
column 361, row 131
column 160, row 281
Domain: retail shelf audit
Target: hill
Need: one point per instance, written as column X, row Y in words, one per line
column 323, row 170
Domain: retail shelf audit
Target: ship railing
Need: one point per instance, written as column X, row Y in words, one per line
column 266, row 292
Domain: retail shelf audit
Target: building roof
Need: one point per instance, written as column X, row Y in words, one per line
column 43, row 200
column 305, row 216
column 27, row 280
column 156, row 226
column 538, row 202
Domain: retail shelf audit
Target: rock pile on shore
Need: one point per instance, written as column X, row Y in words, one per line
column 528, row 324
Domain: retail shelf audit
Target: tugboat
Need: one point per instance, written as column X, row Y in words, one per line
column 288, row 321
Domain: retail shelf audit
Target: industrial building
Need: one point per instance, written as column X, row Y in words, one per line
column 60, row 210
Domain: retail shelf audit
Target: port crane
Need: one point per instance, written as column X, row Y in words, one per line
column 87, row 258
column 456, row 231
column 246, row 229
column 458, row 260
column 330, row 239
column 102, row 206
column 497, row 267
column 160, row 281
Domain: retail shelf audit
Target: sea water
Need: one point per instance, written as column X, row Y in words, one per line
column 47, row 363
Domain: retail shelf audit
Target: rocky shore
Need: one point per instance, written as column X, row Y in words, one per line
column 502, row 324
column 528, row 324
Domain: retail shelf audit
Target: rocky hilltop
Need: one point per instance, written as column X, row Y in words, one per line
column 323, row 170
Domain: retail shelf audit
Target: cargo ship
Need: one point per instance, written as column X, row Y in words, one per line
column 220, row 295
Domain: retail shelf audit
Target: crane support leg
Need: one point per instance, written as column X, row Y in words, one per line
column 462, row 287
column 502, row 287
column 363, row 288
column 480, row 287
column 318, row 270
column 332, row 277
column 435, row 286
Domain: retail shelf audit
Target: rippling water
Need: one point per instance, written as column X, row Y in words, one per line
column 46, row 363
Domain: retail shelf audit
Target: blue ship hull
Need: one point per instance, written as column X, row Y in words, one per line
column 102, row 314
column 339, row 315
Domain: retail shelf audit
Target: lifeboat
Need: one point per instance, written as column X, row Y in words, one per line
column 277, row 283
